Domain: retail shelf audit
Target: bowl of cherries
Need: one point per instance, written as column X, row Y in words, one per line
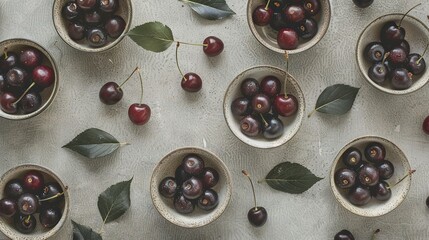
column 92, row 25
column 292, row 25
column 390, row 53
column 191, row 187
column 264, row 106
column 34, row 203
column 370, row 176
column 28, row 79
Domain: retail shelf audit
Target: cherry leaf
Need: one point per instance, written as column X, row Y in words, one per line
column 152, row 36
column 210, row 9
column 114, row 201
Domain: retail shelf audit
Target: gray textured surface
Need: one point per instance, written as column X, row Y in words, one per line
column 181, row 119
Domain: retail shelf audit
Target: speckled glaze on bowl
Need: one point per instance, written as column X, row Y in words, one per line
column 125, row 10
column 48, row 94
column 268, row 36
column 167, row 167
column 375, row 208
column 39, row 233
column 291, row 124
column 417, row 34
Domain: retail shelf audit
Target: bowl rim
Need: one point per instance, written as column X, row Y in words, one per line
column 154, row 191
column 227, row 107
column 337, row 158
column 48, row 171
column 48, row 103
column 70, row 42
column 282, row 51
column 360, row 65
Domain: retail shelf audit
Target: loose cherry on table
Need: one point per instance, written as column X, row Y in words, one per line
column 426, row 125
column 344, row 235
column 257, row 215
column 363, row 3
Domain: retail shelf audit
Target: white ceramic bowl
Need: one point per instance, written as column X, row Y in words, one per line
column 417, row 35
column 48, row 94
column 268, row 36
column 125, row 10
column 291, row 124
column 6, row 225
column 167, row 167
column 401, row 165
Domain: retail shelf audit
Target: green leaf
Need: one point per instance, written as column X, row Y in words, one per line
column 210, row 9
column 152, row 36
column 93, row 143
column 115, row 201
column 337, row 99
column 81, row 232
column 291, row 178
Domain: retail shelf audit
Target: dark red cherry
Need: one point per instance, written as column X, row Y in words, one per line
column 344, row 234
column 249, row 87
column 359, row 195
column 43, row 76
column 33, row 181
column 86, row 4
column 391, row 33
column 208, row 200
column 277, row 5
column 287, row 39
column 381, row 191
column 400, row 78
column 51, row 190
column 352, row 158
column 192, row 188
column 374, row 52
column 378, row 72
column 285, row 106
column 30, row 57
column 261, row 103
column 13, row 189
column 272, row 127
column 17, row 77
column 28, row 203
column 180, row 175
column 183, row 205
column 307, row 28
column 8, row 62
column 257, row 216
column 270, row 86
column 8, row 207
column 50, row 216
column 426, row 125
column 7, row 103
column 261, row 16
column 363, row 3
column 213, row 46
column 108, row 6
column 31, row 102
column 25, row 223
column 416, row 64
column 92, row 18
column 386, row 169
column 250, row 126
column 191, row 82
column 110, row 93
column 70, row 11
column 311, row 7
column 345, row 178
column 115, row 26
column 368, row 175
column 209, row 177
column 397, row 56
column 167, row 188
column 193, row 164
column 241, row 106
column 375, row 152
column 96, row 37
column 294, row 13
column 278, row 21
column 76, row 31
column 405, row 45
column 139, row 113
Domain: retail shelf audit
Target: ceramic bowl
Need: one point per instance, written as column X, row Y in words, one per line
column 268, row 36
column 417, row 34
column 125, row 10
column 198, row 218
column 48, row 94
column 291, row 124
column 6, row 225
column 375, row 207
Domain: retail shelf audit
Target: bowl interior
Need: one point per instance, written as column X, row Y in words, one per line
column 375, row 208
column 417, row 34
column 268, row 36
column 6, row 225
column 166, row 168
column 48, row 94
column 291, row 124
column 61, row 24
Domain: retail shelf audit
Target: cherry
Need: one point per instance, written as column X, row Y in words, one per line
column 397, row 56
column 416, row 64
column 359, row 195
column 405, row 45
column 381, row 191
column 192, row 188
column 278, row 22
column 180, row 175
column 386, row 169
column 261, row 16
column 110, row 93
column 352, row 157
column 96, row 37
column 92, row 18
column 115, row 26
column 378, row 72
column 374, row 52
column 8, row 207
column 3, row 83
column 250, row 126
column 30, row 102
column 108, row 6
column 261, row 103
column 375, row 152
column 277, row 5
column 139, row 113
column 8, row 61
column 7, row 103
column 401, row 79
column 344, row 234
column 51, row 194
column 427, row 202
column 86, row 4
column 272, row 127
column 28, row 203
column 208, row 200
column 209, row 177
column 193, row 164
column 426, row 125
column 345, row 178
column 368, row 175
column 183, row 205
column 307, row 28
column 25, row 223
column 270, row 86
column 213, row 46
column 294, row 14
column 392, row 33
column 76, row 31
column 30, row 57
column 17, row 77
column 43, row 76
column 311, row 7
column 257, row 215
column 363, row 3
column 249, row 87
column 285, row 105
column 191, row 82
column 14, row 189
column 241, row 106
column 287, row 38
column 49, row 217
column 70, row 11
column 33, row 181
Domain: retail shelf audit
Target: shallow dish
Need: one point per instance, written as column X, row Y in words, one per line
column 167, row 166
column 417, row 34
column 375, row 208
column 39, row 233
column 291, row 124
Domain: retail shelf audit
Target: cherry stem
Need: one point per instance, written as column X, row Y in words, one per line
column 251, row 183
column 5, row 52
column 424, row 52
column 55, row 196
column 27, row 220
column 192, row 44
column 400, row 22
column 375, row 232
column 126, row 80
column 268, row 3
column 386, row 55
column 263, row 119
column 410, row 172
column 25, row 92
column 286, row 55
column 141, row 85
column 177, row 61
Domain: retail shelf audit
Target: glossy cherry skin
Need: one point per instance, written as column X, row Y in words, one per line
column 192, row 188
column 193, row 164
column 311, row 7
column 272, row 127
column 7, row 101
column 381, row 191
column 183, row 205
column 33, row 181
column 3, row 84
column 401, row 79
column 374, row 52
column 386, row 169
column 397, row 56
column 191, row 82
column 363, row 3
column 345, row 178
column 208, row 200
column 344, row 234
column 51, row 190
column 180, row 175
column 287, row 39
column 241, row 106
column 76, row 31
column 28, row 203
column 24, row 223
column 70, row 11
column 249, row 87
column 427, row 202
column 214, row 46
column 31, row 102
column 115, row 26
column 285, row 106
column 250, row 126
column 375, row 152
column 43, row 76
column 392, row 34
column 30, row 57
column 426, row 125
column 14, row 189
column 307, row 28
column 96, row 37
column 359, row 196
column 139, row 113
column 8, row 207
column 49, row 217
column 294, row 13
column 368, row 175
column 92, row 18
column 209, row 177
column 257, row 216
column 108, row 6
column 261, row 103
column 9, row 61
column 378, row 72
column 416, row 64
column 270, row 86
column 17, row 77
column 110, row 93
column 277, row 5
column 278, row 22
column 352, row 158
column 262, row 16
column 86, row 4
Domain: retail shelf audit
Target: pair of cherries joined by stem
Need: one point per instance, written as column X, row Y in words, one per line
column 111, row 93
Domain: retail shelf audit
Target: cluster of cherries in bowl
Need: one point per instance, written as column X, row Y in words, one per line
column 365, row 179
column 93, row 20
column 23, row 76
column 30, row 195
column 292, row 19
column 260, row 105
column 192, row 185
column 391, row 59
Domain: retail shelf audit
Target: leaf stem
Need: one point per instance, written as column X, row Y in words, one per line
column 124, row 143
column 128, row 78
column 245, row 173
column 192, row 44
column 400, row 22
column 268, row 3
column 311, row 113
column 424, row 52
column 177, row 61
column 23, row 94
column 375, row 232
column 410, row 172
column 141, row 85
